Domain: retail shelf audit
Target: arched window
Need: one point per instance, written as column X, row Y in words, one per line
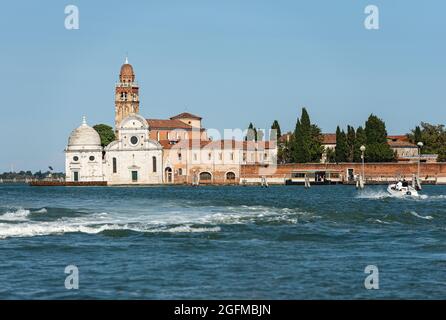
column 115, row 166
column 230, row 176
column 205, row 176
column 154, row 164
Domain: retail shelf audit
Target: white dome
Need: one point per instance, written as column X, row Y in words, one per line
column 84, row 136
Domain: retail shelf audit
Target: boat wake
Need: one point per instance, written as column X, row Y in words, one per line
column 373, row 194
column 381, row 194
column 57, row 221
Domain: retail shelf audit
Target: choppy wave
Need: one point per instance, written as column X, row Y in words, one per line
column 372, row 194
column 421, row 217
column 29, row 223
column 382, row 194
column 18, row 214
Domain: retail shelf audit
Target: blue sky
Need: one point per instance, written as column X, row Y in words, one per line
column 229, row 61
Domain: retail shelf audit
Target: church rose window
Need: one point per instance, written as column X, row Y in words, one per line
column 134, row 140
column 75, row 158
column 91, row 158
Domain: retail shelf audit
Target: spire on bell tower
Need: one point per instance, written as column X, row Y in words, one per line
column 126, row 94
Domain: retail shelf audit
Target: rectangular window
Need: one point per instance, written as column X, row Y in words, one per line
column 115, row 167
column 75, row 176
column 232, row 155
column 134, row 176
column 298, row 175
column 154, row 164
column 179, row 156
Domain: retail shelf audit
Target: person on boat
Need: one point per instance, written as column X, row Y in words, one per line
column 405, row 183
column 399, row 185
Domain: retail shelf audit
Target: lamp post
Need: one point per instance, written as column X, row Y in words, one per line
column 362, row 148
column 420, row 145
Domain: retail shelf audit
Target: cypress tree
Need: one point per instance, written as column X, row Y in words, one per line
column 251, row 135
column 307, row 145
column 351, row 140
column 417, row 135
column 359, row 141
column 276, row 126
column 341, row 146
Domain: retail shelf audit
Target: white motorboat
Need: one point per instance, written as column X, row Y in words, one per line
column 404, row 191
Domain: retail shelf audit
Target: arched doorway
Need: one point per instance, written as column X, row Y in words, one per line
column 230, row 176
column 168, row 174
column 205, row 177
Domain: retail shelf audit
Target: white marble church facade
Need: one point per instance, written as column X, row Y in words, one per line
column 133, row 158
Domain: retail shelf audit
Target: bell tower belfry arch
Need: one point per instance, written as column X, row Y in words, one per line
column 126, row 94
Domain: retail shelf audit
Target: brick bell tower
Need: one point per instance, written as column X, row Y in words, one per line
column 126, row 94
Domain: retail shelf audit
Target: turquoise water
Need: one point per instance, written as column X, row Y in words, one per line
column 221, row 242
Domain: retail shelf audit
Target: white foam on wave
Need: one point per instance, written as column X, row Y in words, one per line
column 369, row 194
column 19, row 214
column 198, row 219
column 43, row 210
column 382, row 222
column 433, row 197
column 184, row 229
column 421, row 217
column 57, row 228
column 373, row 194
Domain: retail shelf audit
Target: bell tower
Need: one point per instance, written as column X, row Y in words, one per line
column 126, row 94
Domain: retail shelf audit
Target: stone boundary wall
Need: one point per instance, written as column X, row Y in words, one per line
column 373, row 171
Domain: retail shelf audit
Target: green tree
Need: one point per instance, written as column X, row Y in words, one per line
column 359, row 141
column 433, row 138
column 351, row 141
column 251, row 135
column 377, row 148
column 106, row 133
column 417, row 135
column 307, row 146
column 276, row 126
column 341, row 151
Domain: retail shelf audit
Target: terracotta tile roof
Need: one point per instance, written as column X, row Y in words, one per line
column 185, row 115
column 218, row 144
column 398, row 137
column 400, row 141
column 329, row 138
column 285, row 137
column 167, row 124
column 401, row 144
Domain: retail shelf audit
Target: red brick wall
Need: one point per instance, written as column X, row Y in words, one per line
column 370, row 169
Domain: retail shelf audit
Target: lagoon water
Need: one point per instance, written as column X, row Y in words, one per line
column 221, row 242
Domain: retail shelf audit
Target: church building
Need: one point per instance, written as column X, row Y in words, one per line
column 156, row 151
